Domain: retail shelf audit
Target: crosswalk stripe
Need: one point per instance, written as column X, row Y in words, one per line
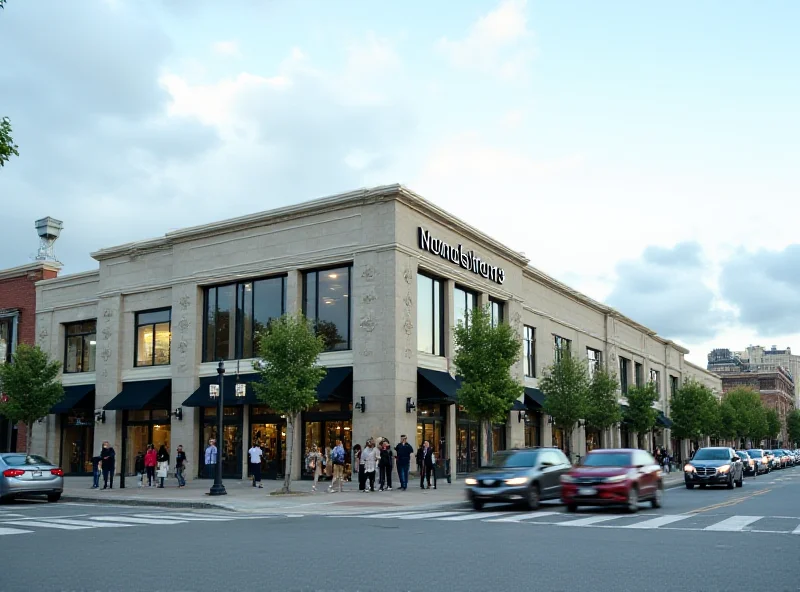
column 425, row 515
column 86, row 523
column 185, row 517
column 473, row 516
column 49, row 525
column 796, row 530
column 588, row 521
column 134, row 520
column 3, row 516
column 660, row 521
column 734, row 523
column 387, row 515
column 5, row 531
column 524, row 517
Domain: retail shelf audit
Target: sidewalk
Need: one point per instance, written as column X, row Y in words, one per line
column 243, row 497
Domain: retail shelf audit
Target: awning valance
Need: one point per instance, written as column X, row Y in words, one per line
column 143, row 394
column 79, row 396
column 534, row 398
column 435, row 386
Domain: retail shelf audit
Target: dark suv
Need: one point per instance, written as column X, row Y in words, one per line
column 714, row 466
column 526, row 476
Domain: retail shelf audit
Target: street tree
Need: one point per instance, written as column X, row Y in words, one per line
column 565, row 386
column 30, row 387
column 773, row 424
column 693, row 410
column 288, row 350
column 743, row 412
column 7, row 145
column 793, row 427
column 484, row 357
column 602, row 407
column 640, row 413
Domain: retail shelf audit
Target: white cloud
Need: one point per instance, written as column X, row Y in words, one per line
column 499, row 43
column 226, row 48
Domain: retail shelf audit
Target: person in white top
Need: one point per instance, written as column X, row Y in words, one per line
column 255, row 463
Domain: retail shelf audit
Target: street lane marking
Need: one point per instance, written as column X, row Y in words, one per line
column 474, row 516
column 50, row 525
column 85, row 523
column 185, row 517
column 732, row 502
column 589, row 520
column 428, row 515
column 5, row 531
column 660, row 521
column 734, row 523
column 796, row 530
column 522, row 517
column 134, row 520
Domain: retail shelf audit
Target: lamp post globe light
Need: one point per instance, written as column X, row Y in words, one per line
column 218, row 488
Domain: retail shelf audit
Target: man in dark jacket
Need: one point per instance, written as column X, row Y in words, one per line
column 404, row 452
column 428, row 466
column 107, row 456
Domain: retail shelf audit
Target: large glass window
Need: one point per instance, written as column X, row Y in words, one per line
column 6, row 337
column 326, row 302
column 235, row 313
column 655, row 378
column 463, row 301
column 530, row 351
column 624, row 365
column 430, row 320
column 80, row 347
column 638, row 374
column 153, row 336
column 561, row 346
column 595, row 358
column 496, row 310
column 673, row 385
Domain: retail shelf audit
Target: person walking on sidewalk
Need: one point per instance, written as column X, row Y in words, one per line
column 404, row 452
column 314, row 463
column 96, row 460
column 163, row 465
column 180, row 466
column 108, row 457
column 337, row 459
column 138, row 467
column 358, row 466
column 385, row 466
column 255, row 463
column 665, row 460
column 211, row 458
column 427, row 466
column 150, row 462
column 370, row 457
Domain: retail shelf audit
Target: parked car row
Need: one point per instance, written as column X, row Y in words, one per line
column 721, row 465
column 527, row 476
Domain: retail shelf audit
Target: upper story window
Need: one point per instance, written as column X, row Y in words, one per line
column 560, row 347
column 673, row 385
column 529, row 337
column 595, row 357
column 6, row 339
column 496, row 309
column 80, row 347
column 624, row 368
column 638, row 374
column 326, row 302
column 430, row 317
column 153, row 337
column 235, row 313
column 463, row 301
column 655, row 378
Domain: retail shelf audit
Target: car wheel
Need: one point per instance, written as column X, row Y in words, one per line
column 690, row 486
column 53, row 497
column 730, row 484
column 534, row 497
column 572, row 508
column 633, row 500
column 658, row 498
column 477, row 504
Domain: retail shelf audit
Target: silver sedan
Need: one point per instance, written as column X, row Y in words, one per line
column 25, row 475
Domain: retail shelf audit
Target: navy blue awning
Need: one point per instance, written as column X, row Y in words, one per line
column 663, row 420
column 534, row 398
column 75, row 397
column 519, row 406
column 337, row 385
column 435, row 386
column 143, row 394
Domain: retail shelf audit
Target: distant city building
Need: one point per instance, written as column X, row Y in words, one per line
column 759, row 358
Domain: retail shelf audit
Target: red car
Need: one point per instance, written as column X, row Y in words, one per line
column 613, row 477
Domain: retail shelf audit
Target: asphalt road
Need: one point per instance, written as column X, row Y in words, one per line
column 701, row 540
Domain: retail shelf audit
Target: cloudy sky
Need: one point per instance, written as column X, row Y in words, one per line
column 645, row 154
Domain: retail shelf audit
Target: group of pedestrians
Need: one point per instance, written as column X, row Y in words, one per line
column 155, row 465
column 380, row 458
column 663, row 458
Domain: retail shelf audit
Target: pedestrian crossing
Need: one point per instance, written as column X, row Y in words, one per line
column 643, row 521
column 14, row 523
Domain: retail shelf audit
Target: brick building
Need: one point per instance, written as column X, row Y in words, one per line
column 18, row 325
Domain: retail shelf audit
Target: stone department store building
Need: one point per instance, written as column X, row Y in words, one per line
column 386, row 275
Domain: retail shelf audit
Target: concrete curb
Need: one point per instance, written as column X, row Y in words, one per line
column 152, row 503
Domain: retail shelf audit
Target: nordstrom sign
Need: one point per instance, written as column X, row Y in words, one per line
column 456, row 254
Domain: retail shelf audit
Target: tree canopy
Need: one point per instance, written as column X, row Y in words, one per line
column 640, row 413
column 773, row 423
column 602, row 407
column 793, row 426
column 7, row 145
column 565, row 385
column 694, row 411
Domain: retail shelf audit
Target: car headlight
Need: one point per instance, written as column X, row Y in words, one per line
column 688, row 469
column 471, row 481
column 517, row 481
column 567, row 479
column 616, row 479
column 723, row 469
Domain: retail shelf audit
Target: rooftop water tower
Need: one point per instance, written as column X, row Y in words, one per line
column 48, row 230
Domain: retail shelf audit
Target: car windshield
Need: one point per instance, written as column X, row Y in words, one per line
column 742, row 455
column 754, row 453
column 608, row 459
column 515, row 460
column 712, row 454
column 20, row 460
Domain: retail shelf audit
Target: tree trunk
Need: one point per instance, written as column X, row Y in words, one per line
column 287, row 477
column 489, row 442
column 568, row 443
column 28, row 436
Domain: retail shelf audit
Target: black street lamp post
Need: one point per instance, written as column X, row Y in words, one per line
column 218, row 488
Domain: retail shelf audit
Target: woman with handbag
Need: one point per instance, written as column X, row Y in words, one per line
column 163, row 465
column 315, row 464
column 150, row 462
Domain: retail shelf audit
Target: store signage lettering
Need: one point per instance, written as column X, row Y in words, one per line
column 458, row 255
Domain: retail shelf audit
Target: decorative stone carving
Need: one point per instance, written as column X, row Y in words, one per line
column 613, row 357
column 408, row 353
column 43, row 333
column 184, row 324
column 107, row 333
column 369, row 296
column 408, row 326
column 183, row 347
column 369, row 273
column 408, row 275
column 105, row 372
column 185, row 301
column 408, row 301
column 368, row 323
column 366, row 352
column 108, row 313
column 106, row 354
column 182, row 367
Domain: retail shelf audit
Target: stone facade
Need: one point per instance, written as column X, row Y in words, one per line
column 375, row 231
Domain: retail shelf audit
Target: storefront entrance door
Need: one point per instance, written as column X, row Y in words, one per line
column 272, row 439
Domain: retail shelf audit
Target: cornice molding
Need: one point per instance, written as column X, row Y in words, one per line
column 23, row 270
column 74, row 279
